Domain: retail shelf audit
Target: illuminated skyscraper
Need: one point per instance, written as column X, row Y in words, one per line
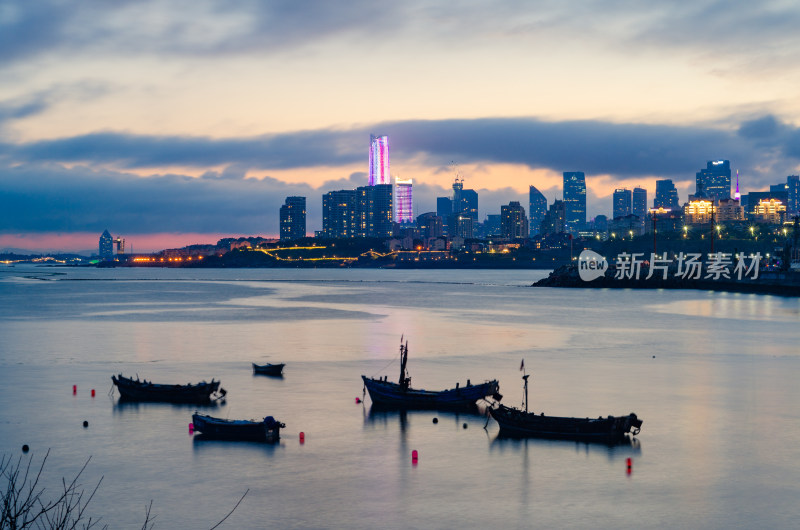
column 293, row 218
column 639, row 206
column 715, row 180
column 513, row 221
column 538, row 209
column 622, row 202
column 575, row 201
column 106, row 245
column 403, row 203
column 666, row 195
column 375, row 213
column 793, row 198
column 379, row 160
column 340, row 214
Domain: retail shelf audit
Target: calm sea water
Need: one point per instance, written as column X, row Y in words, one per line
column 714, row 376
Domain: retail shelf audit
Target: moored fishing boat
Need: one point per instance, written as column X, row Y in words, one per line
column 514, row 422
column 268, row 369
column 385, row 393
column 267, row 430
column 136, row 390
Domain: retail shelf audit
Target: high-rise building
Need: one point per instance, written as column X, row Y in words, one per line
column 444, row 208
column 403, row 201
column 430, row 225
column 622, row 202
column 339, row 214
column 379, row 160
column 575, row 201
column 469, row 203
column 293, row 218
column 513, row 221
column 375, row 212
column 639, row 206
column 555, row 220
column 793, row 199
column 106, row 245
column 715, row 180
column 537, row 204
column 491, row 226
column 666, row 195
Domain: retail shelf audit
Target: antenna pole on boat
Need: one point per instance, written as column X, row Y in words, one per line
column 525, row 377
column 403, row 361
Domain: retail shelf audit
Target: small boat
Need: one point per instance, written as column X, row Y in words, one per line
column 384, row 393
column 135, row 390
column 267, row 430
column 268, row 369
column 518, row 423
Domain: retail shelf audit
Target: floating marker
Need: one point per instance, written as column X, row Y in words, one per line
column 630, row 464
column 25, row 448
column 414, row 456
column 74, row 389
column 435, row 420
column 93, row 392
column 302, row 437
column 85, row 423
column 358, row 400
column 191, row 428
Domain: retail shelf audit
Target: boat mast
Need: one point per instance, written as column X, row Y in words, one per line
column 403, row 361
column 525, row 377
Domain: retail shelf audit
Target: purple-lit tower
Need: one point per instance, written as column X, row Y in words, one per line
column 737, row 195
column 379, row 160
column 403, row 209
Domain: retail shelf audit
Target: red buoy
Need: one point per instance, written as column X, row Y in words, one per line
column 93, row 392
column 358, row 400
column 414, row 455
column 191, row 428
column 74, row 389
column 630, row 464
column 302, row 437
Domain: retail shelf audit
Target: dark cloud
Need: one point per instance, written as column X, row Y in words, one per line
column 22, row 107
column 41, row 194
column 206, row 28
column 189, row 28
column 621, row 150
column 47, row 197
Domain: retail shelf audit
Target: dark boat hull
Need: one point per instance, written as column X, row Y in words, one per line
column 392, row 395
column 519, row 424
column 268, row 369
column 135, row 390
column 222, row 429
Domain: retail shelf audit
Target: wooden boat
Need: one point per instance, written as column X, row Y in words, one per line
column 135, row 390
column 268, row 369
column 522, row 424
column 384, row 393
column 267, row 430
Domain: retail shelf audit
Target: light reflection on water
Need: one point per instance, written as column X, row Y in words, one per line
column 713, row 376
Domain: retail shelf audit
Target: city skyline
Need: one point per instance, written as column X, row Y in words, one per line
column 172, row 126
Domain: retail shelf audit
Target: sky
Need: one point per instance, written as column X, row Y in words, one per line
column 182, row 122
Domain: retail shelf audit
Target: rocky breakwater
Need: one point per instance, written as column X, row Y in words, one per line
column 784, row 283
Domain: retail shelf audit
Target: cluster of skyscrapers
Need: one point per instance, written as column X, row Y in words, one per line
column 382, row 207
